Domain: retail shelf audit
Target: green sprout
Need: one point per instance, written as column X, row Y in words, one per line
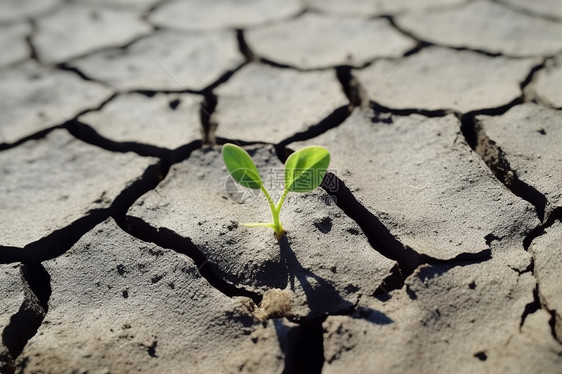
column 304, row 171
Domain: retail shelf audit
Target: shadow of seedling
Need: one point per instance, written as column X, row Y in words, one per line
column 322, row 297
column 303, row 345
column 372, row 315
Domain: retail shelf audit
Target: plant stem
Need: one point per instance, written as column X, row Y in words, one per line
column 281, row 201
column 275, row 210
column 268, row 198
column 276, row 217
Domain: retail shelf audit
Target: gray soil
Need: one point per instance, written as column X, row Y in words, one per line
column 432, row 245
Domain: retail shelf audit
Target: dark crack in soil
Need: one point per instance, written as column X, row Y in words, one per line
column 24, row 324
column 303, row 344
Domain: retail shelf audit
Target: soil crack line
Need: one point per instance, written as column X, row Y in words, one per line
column 60, row 241
column 209, row 123
column 497, row 162
column 539, row 302
column 243, row 46
column 334, row 119
column 169, row 239
column 56, row 243
column 305, row 348
column 352, row 88
column 381, row 240
column 424, row 43
column 89, row 135
column 122, row 47
column 63, row 125
column 29, row 40
column 63, row 66
column 25, row 323
column 526, row 11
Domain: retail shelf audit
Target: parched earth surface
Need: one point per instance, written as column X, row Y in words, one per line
column 434, row 244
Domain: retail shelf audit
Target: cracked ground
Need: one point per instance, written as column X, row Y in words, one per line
column 432, row 246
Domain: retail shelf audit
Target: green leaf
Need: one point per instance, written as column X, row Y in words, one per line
column 241, row 167
column 305, row 169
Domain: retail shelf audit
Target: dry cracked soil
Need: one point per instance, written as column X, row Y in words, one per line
column 434, row 244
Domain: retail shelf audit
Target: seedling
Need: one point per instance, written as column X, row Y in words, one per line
column 304, row 171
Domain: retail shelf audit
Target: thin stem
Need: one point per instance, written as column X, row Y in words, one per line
column 268, row 198
column 281, row 201
column 275, row 211
column 276, row 216
column 258, row 224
